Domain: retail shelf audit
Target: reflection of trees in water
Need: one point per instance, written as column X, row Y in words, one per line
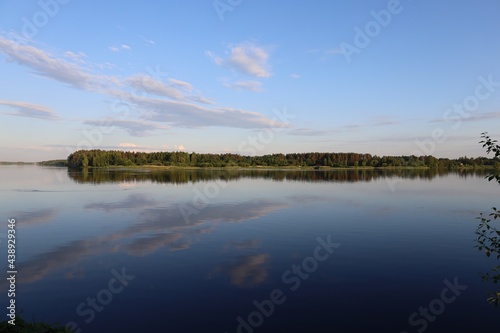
column 97, row 176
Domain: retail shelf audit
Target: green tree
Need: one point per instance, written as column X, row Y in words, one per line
column 85, row 161
column 102, row 158
column 489, row 235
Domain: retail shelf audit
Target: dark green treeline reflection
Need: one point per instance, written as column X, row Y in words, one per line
column 98, row 176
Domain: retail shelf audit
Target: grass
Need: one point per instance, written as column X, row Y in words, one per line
column 23, row 326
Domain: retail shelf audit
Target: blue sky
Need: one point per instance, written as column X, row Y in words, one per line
column 251, row 76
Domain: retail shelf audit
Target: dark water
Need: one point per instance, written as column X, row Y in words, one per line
column 249, row 251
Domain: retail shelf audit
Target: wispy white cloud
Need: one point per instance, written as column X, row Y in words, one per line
column 477, row 117
column 115, row 48
column 216, row 59
column 153, row 86
column 308, row 132
column 250, row 59
column 387, row 122
column 355, row 126
column 295, row 76
column 255, row 86
column 76, row 57
column 246, row 58
column 185, row 114
column 200, row 99
column 181, row 84
column 377, row 121
column 47, row 65
column 133, row 127
column 30, row 110
column 147, row 41
column 175, row 102
column 127, row 145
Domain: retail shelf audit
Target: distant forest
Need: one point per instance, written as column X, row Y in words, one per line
column 104, row 158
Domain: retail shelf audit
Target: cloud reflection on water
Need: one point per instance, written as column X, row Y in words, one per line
column 156, row 229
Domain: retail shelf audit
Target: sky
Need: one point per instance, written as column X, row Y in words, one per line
column 253, row 77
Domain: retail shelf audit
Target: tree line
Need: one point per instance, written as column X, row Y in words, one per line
column 104, row 158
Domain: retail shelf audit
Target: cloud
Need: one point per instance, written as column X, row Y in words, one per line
column 133, row 127
column 362, row 125
column 76, row 57
column 175, row 102
column 246, row 58
column 127, row 145
column 185, row 114
column 180, row 147
column 151, row 85
column 379, row 121
column 217, row 60
column 201, row 99
column 478, row 117
column 385, row 123
column 308, row 132
column 181, row 84
column 245, row 85
column 295, row 76
column 121, row 146
column 250, row 59
column 147, row 41
column 119, row 48
column 29, row 110
column 46, row 65
column 354, row 126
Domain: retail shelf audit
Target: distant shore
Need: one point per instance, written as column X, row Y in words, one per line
column 149, row 167
column 234, row 167
column 257, row 167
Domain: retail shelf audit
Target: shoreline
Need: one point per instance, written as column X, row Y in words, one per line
column 148, row 167
column 265, row 168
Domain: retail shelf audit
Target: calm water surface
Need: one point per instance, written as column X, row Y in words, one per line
column 249, row 251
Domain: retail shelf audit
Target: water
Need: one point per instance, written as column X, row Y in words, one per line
column 241, row 251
